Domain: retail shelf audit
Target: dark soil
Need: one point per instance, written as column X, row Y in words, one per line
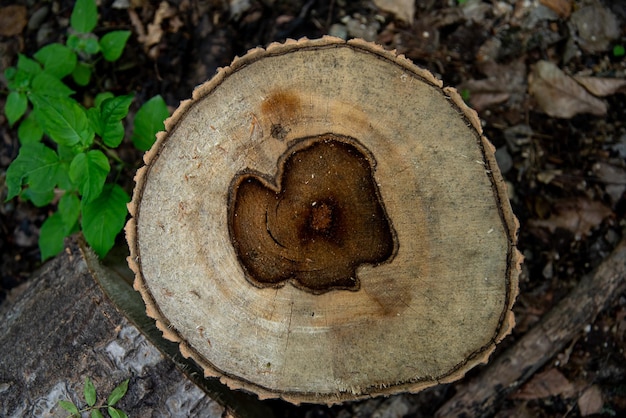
column 566, row 175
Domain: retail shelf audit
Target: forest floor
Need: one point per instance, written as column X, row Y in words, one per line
column 547, row 77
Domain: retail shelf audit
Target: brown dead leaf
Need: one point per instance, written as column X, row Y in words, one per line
column 559, row 95
column 155, row 32
column 578, row 215
column 563, row 8
column 601, row 86
column 613, row 177
column 402, row 9
column 503, row 82
column 152, row 36
column 546, row 384
column 590, row 402
column 12, row 20
column 594, row 27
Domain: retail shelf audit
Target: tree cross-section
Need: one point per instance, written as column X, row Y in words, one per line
column 323, row 222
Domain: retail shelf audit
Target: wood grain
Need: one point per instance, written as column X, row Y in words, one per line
column 432, row 312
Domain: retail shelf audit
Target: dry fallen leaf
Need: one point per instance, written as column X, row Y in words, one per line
column 546, row 384
column 402, row 9
column 590, row 402
column 613, row 177
column 601, row 86
column 154, row 32
column 563, row 8
column 594, row 28
column 503, row 82
column 12, row 20
column 578, row 215
column 559, row 95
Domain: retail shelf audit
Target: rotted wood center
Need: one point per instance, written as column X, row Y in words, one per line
column 314, row 223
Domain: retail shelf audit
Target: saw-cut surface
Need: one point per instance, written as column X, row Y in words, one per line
column 323, row 222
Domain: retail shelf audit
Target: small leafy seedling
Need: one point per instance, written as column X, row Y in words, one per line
column 67, row 155
column 89, row 392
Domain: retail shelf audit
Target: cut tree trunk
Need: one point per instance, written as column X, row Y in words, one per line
column 63, row 328
column 325, row 222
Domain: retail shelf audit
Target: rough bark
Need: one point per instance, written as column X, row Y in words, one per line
column 62, row 328
column 509, row 370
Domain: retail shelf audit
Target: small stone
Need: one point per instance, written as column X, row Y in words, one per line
column 38, row 17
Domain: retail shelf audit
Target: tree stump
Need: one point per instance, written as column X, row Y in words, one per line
column 324, row 222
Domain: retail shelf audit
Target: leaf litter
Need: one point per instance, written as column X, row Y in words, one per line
column 559, row 95
column 576, row 215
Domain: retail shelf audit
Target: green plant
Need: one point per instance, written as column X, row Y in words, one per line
column 89, row 392
column 465, row 95
column 619, row 51
column 67, row 154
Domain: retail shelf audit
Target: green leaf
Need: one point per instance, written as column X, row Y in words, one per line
column 26, row 70
column 15, row 106
column 39, row 199
column 116, row 413
column 37, row 165
column 29, row 130
column 90, row 392
column 113, row 43
column 9, row 73
column 51, row 236
column 73, row 42
column 118, row 393
column 114, row 134
column 148, row 121
column 96, row 414
column 93, row 115
column 82, row 74
column 88, row 171
column 63, row 120
column 58, row 60
column 91, row 45
column 69, row 210
column 69, row 407
column 101, row 97
column 84, row 16
column 102, row 220
column 112, row 112
column 44, row 84
column 28, row 65
column 67, row 154
column 21, row 81
column 116, row 108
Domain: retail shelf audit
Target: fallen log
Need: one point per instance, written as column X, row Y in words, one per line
column 63, row 327
column 508, row 371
